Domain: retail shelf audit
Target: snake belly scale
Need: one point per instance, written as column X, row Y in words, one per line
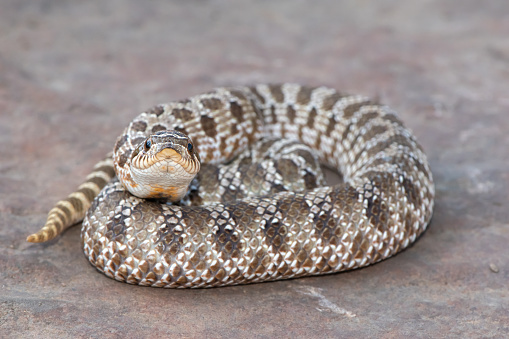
column 384, row 202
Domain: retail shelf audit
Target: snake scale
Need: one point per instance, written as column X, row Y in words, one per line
column 293, row 226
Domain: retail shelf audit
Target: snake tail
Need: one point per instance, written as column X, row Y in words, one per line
column 72, row 210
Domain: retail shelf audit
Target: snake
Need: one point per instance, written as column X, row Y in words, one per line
column 226, row 188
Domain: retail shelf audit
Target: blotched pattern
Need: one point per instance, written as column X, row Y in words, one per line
column 383, row 205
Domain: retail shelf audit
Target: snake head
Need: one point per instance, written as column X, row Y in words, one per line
column 162, row 166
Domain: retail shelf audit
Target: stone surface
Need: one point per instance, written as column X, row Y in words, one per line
column 73, row 73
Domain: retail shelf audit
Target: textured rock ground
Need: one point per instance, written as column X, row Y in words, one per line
column 73, row 73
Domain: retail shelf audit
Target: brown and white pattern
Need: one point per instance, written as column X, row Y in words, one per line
column 384, row 203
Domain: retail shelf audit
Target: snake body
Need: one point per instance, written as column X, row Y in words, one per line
column 384, row 202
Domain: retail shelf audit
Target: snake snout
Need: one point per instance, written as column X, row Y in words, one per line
column 169, row 151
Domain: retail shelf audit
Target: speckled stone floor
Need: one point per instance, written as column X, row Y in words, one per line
column 73, row 73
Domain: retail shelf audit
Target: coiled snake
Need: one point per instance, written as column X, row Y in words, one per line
column 251, row 222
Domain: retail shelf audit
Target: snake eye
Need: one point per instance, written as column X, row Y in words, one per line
column 148, row 143
column 190, row 147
